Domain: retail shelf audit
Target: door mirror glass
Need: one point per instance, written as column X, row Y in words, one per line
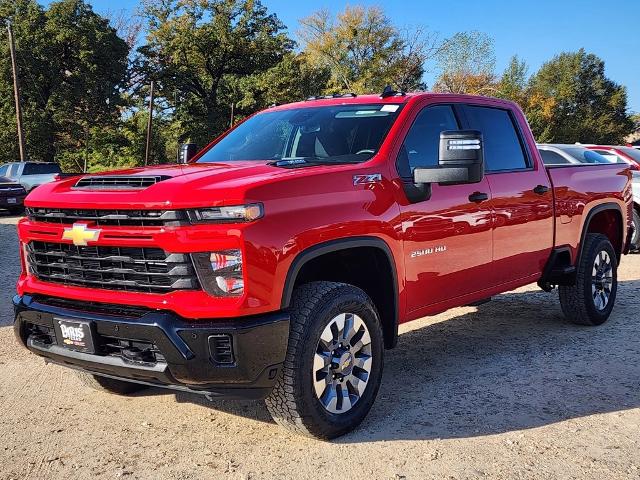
column 187, row 152
column 460, row 159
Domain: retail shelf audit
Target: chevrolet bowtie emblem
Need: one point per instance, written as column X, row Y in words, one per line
column 80, row 234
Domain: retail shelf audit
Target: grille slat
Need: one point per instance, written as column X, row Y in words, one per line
column 118, row 218
column 113, row 268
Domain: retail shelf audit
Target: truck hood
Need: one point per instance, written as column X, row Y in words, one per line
column 177, row 186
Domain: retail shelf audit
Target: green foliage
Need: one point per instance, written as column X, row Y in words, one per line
column 514, row 80
column 571, row 100
column 467, row 62
column 364, row 51
column 203, row 53
column 73, row 67
column 214, row 62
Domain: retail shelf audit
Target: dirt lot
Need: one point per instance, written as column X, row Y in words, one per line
column 505, row 390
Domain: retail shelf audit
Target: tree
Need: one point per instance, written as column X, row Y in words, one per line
column 201, row 52
column 467, row 62
column 364, row 51
column 73, row 67
column 571, row 100
column 514, row 80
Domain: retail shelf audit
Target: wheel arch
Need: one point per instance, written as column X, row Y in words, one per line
column 384, row 294
column 599, row 220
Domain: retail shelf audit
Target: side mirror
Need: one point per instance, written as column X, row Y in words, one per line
column 461, row 159
column 186, row 152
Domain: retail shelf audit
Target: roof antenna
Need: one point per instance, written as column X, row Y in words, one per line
column 390, row 92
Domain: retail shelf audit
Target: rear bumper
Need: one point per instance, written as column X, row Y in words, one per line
column 162, row 349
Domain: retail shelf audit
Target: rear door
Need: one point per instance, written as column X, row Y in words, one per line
column 521, row 196
column 447, row 236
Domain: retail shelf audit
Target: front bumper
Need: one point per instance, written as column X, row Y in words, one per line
column 160, row 348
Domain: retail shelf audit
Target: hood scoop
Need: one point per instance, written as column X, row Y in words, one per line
column 119, row 182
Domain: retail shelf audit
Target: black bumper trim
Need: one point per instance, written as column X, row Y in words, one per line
column 186, row 363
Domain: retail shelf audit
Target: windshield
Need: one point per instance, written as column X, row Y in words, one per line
column 338, row 134
column 584, row 155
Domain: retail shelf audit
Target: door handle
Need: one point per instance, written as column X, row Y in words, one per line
column 478, row 197
column 541, row 190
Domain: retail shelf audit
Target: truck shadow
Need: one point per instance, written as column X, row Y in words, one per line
column 508, row 365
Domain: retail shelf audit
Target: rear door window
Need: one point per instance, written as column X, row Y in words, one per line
column 503, row 147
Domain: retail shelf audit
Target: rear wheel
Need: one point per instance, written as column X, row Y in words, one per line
column 111, row 385
column 591, row 300
column 334, row 361
column 635, row 240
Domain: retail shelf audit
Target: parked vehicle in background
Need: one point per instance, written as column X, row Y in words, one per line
column 568, row 154
column 12, row 196
column 280, row 261
column 32, row 174
column 618, row 154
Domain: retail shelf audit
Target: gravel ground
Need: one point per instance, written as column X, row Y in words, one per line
column 505, row 390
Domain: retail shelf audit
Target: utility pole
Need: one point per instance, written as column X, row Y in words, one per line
column 149, row 124
column 16, row 94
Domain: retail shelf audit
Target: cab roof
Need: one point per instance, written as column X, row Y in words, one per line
column 396, row 98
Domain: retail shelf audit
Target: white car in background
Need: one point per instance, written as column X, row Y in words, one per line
column 568, row 154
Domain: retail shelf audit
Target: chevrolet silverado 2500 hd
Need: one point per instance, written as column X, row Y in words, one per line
column 280, row 261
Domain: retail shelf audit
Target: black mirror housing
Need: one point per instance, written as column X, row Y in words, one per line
column 186, row 152
column 461, row 159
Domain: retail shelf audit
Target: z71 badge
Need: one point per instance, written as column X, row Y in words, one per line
column 367, row 179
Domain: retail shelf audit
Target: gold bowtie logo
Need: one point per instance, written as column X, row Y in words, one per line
column 80, row 234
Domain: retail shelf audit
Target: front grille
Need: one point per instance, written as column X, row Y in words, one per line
column 11, row 189
column 120, row 218
column 119, row 182
column 134, row 269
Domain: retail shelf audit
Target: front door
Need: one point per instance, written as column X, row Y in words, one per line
column 446, row 237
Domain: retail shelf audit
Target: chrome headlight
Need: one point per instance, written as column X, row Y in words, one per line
column 233, row 214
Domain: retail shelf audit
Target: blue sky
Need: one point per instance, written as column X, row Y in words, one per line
column 534, row 30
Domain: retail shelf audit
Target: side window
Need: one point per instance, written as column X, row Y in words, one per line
column 420, row 147
column 553, row 158
column 610, row 156
column 502, row 147
column 3, row 170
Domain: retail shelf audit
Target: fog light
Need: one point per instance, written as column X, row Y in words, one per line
column 220, row 273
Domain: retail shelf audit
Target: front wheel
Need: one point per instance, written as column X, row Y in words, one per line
column 333, row 366
column 590, row 301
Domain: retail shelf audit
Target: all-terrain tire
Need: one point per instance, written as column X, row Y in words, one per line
column 106, row 384
column 579, row 303
column 293, row 403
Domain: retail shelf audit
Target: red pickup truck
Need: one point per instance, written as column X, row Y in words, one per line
column 280, row 261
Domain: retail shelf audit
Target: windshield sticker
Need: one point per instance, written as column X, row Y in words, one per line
column 390, row 108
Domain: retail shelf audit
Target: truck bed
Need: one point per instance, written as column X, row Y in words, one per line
column 578, row 189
